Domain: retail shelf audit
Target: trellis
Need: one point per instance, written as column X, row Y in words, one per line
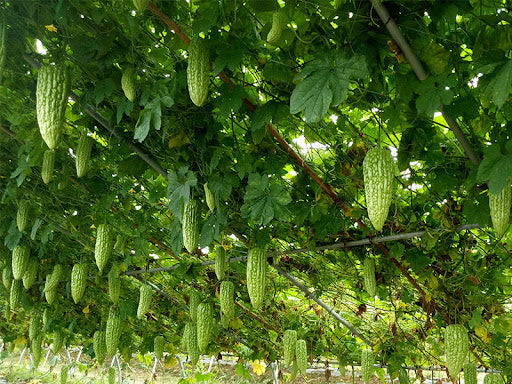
column 395, row 32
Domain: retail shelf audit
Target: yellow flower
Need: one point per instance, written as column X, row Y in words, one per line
column 258, row 367
column 51, row 28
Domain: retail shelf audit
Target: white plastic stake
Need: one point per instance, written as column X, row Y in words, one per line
column 22, row 353
column 118, row 369
column 154, row 369
column 46, row 357
column 69, row 357
column 183, row 373
column 275, row 373
column 211, row 363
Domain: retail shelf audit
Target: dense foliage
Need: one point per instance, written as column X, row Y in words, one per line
column 271, row 157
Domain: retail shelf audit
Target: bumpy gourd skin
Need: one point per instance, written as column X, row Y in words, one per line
column 78, row 281
column 48, row 165
column 146, row 294
column 190, row 341
column 278, row 24
column 158, row 346
column 100, row 346
column 198, row 72
column 301, row 355
column 499, row 206
column 51, row 100
column 221, row 262
column 456, row 346
column 227, row 303
column 289, row 345
column 204, row 326
column 104, row 245
column 470, row 375
column 378, row 172
column 370, row 283
column 257, row 276
column 190, row 225
column 22, row 216
column 83, row 155
column 112, row 332
column 367, row 368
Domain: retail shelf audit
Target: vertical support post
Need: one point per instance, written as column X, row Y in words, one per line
column 22, row 353
column 46, row 356
column 183, row 373
column 275, row 372
column 211, row 364
column 118, row 369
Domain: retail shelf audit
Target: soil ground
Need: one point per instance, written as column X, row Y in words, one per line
column 16, row 371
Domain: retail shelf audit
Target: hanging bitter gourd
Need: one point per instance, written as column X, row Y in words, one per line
column 499, row 205
column 210, row 199
column 104, row 245
column 146, row 294
column 158, row 346
column 59, row 338
column 289, row 341
column 257, row 275
column 193, row 302
column 204, row 326
column 20, row 259
column 378, row 172
column 15, row 294
column 112, row 332
column 198, row 71
column 83, row 155
column 51, row 99
column 54, row 278
column 23, row 215
column 190, row 225
column 190, row 341
column 221, row 262
column 48, row 165
column 100, row 346
column 301, row 355
column 78, row 281
column 30, row 275
column 278, row 24
column 7, row 277
column 114, row 284
column 456, row 347
column 470, row 374
column 369, row 276
column 227, row 303
column 367, row 368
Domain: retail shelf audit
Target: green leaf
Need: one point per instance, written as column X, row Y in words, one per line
column 496, row 168
column 417, row 259
column 178, row 190
column 143, row 125
column 230, row 100
column 325, row 82
column 498, row 88
column 13, row 236
column 212, row 227
column 475, row 318
column 433, row 91
column 264, row 201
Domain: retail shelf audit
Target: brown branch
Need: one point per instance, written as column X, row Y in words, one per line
column 326, row 187
column 8, row 131
column 259, row 318
column 420, row 72
column 171, row 24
